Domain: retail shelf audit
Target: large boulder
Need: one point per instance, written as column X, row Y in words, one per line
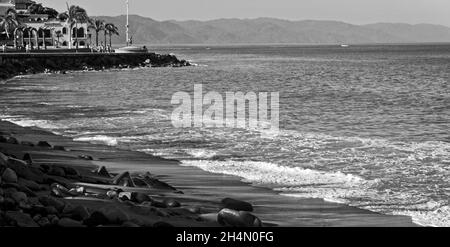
column 66, row 222
column 9, row 176
column 237, row 205
column 25, row 171
column 29, row 184
column 115, row 215
column 97, row 218
column 140, row 197
column 232, row 218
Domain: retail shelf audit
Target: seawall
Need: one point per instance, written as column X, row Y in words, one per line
column 13, row 64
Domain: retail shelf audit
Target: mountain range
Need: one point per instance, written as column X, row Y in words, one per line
column 270, row 30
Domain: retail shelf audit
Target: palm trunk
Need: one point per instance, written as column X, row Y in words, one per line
column 110, row 41
column 96, row 37
column 76, row 35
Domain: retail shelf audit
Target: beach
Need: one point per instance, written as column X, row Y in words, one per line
column 199, row 193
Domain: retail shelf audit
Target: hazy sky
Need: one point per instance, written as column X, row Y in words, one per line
column 352, row 11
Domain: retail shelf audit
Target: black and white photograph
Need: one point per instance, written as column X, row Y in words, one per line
column 241, row 114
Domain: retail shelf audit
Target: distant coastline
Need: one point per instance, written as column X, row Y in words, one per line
column 269, row 31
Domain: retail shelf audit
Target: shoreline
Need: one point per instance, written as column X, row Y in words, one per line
column 201, row 190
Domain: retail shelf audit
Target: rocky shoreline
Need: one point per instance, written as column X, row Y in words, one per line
column 21, row 64
column 45, row 185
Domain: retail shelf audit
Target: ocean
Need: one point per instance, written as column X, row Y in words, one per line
column 366, row 125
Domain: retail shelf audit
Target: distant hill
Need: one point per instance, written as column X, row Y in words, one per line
column 269, row 30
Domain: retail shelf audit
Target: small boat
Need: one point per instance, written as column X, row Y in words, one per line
column 132, row 49
column 345, row 46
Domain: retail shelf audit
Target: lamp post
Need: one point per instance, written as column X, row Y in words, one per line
column 128, row 24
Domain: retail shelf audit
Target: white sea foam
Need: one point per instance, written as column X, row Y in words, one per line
column 280, row 177
column 201, row 153
column 99, row 139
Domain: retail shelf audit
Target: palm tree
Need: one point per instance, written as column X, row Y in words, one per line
column 9, row 22
column 111, row 30
column 75, row 15
column 98, row 26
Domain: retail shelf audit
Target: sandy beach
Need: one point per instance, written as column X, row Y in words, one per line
column 173, row 195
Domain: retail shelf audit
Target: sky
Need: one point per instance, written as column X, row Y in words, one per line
column 351, row 11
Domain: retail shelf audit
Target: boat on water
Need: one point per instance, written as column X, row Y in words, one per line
column 345, row 46
column 130, row 48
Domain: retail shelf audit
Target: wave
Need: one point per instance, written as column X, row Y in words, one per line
column 99, row 139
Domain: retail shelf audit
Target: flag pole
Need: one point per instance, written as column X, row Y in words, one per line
column 128, row 24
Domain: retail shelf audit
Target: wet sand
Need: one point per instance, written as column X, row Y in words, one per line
column 202, row 191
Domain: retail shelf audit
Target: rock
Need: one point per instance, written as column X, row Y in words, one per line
column 37, row 210
column 20, row 219
column 111, row 194
column 85, row 157
column 9, row 176
column 124, row 180
column 24, row 171
column 29, row 184
column 79, row 191
column 125, row 196
column 12, row 140
column 162, row 224
column 8, row 204
column 155, row 183
column 44, row 144
column 3, row 159
column 233, row 218
column 170, row 203
column 43, row 222
column 103, row 172
column 27, row 158
column 157, row 204
column 140, row 182
column 49, row 210
column 54, row 220
column 237, row 205
column 115, row 215
column 28, row 144
column 51, row 201
column 59, row 148
column 140, row 197
column 70, row 171
column 96, row 219
column 80, row 213
column 66, row 222
column 19, row 197
column 57, row 171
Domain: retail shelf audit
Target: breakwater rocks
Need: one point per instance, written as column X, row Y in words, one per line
column 31, row 63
